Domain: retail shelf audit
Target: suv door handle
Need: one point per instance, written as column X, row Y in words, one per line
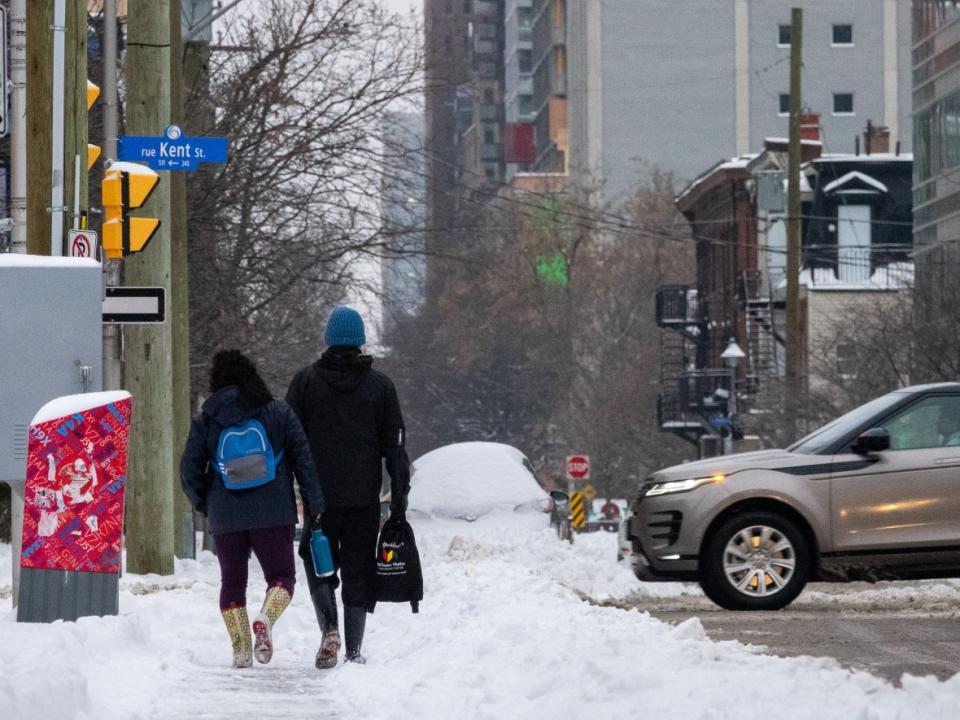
column 948, row 461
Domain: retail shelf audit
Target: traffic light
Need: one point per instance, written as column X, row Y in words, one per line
column 93, row 92
column 126, row 186
column 93, row 151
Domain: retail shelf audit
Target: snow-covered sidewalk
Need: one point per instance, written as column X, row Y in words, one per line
column 503, row 633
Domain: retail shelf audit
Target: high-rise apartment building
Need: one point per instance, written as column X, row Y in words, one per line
column 403, row 217
column 464, row 107
column 681, row 85
column 550, row 85
column 936, row 131
column 518, row 86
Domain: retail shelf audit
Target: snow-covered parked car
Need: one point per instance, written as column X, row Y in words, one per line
column 466, row 481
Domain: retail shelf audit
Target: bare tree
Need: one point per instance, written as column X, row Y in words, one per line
column 544, row 336
column 899, row 339
column 277, row 234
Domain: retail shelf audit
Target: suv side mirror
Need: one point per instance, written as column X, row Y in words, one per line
column 560, row 498
column 870, row 441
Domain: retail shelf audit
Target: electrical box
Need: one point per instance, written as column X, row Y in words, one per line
column 50, row 343
column 771, row 195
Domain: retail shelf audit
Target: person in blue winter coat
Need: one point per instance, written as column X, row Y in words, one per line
column 242, row 453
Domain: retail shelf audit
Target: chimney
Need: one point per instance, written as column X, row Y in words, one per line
column 810, row 126
column 876, row 139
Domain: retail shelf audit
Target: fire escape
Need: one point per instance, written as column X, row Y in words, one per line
column 693, row 401
column 765, row 354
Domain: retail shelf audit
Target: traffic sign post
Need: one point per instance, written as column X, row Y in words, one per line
column 82, row 243
column 578, row 511
column 134, row 305
column 173, row 150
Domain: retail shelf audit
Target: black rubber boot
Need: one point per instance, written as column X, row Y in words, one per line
column 325, row 606
column 354, row 622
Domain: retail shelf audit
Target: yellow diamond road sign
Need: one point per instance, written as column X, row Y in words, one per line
column 589, row 492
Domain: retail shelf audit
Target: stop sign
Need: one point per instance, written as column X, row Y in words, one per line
column 578, row 467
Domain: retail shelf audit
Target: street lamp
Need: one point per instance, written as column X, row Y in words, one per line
column 732, row 355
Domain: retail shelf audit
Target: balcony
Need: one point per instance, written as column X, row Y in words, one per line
column 490, row 113
column 695, row 403
column 677, row 307
column 491, row 152
column 884, row 265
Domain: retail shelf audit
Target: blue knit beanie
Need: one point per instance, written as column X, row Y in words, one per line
column 345, row 327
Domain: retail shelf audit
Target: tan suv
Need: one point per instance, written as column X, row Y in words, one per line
column 873, row 495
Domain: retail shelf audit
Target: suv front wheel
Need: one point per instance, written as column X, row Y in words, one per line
column 756, row 560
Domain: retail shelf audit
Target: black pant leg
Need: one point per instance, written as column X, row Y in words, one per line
column 322, row 589
column 358, row 555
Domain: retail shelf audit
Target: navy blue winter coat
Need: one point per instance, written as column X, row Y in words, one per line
column 270, row 505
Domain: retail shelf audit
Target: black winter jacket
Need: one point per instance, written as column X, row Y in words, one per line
column 353, row 421
column 270, row 505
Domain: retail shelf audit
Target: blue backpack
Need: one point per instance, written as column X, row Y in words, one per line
column 245, row 457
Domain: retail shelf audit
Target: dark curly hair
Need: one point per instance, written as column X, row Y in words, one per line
column 232, row 367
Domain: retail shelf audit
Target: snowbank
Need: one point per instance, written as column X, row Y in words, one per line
column 19, row 260
column 503, row 633
column 468, row 480
column 70, row 404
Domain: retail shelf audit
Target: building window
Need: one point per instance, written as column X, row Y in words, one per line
column 784, row 104
column 489, row 137
column 488, row 96
column 467, row 7
column 843, row 34
column 448, row 7
column 525, row 60
column 843, row 104
column 491, row 172
column 783, row 35
column 847, row 361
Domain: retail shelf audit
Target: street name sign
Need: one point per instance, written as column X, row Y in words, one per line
column 134, row 305
column 173, row 150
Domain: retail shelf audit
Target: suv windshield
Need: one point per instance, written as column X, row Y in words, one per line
column 822, row 438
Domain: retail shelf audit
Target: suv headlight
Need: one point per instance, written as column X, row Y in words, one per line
column 678, row 486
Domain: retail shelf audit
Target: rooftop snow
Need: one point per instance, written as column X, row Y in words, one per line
column 18, row 260
column 71, row 404
column 855, row 175
column 732, row 164
column 872, row 157
column 895, row 276
column 781, row 141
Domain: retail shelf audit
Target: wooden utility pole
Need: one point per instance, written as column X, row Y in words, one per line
column 148, row 348
column 39, row 115
column 794, row 359
column 184, row 542
column 199, row 118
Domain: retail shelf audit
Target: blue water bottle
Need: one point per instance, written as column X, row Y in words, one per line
column 320, row 551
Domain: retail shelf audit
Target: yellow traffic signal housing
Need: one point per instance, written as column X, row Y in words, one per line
column 93, row 92
column 126, row 186
column 93, row 152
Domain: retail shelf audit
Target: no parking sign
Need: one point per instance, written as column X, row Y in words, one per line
column 82, row 243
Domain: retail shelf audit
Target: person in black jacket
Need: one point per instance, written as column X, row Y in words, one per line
column 353, row 422
column 260, row 518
